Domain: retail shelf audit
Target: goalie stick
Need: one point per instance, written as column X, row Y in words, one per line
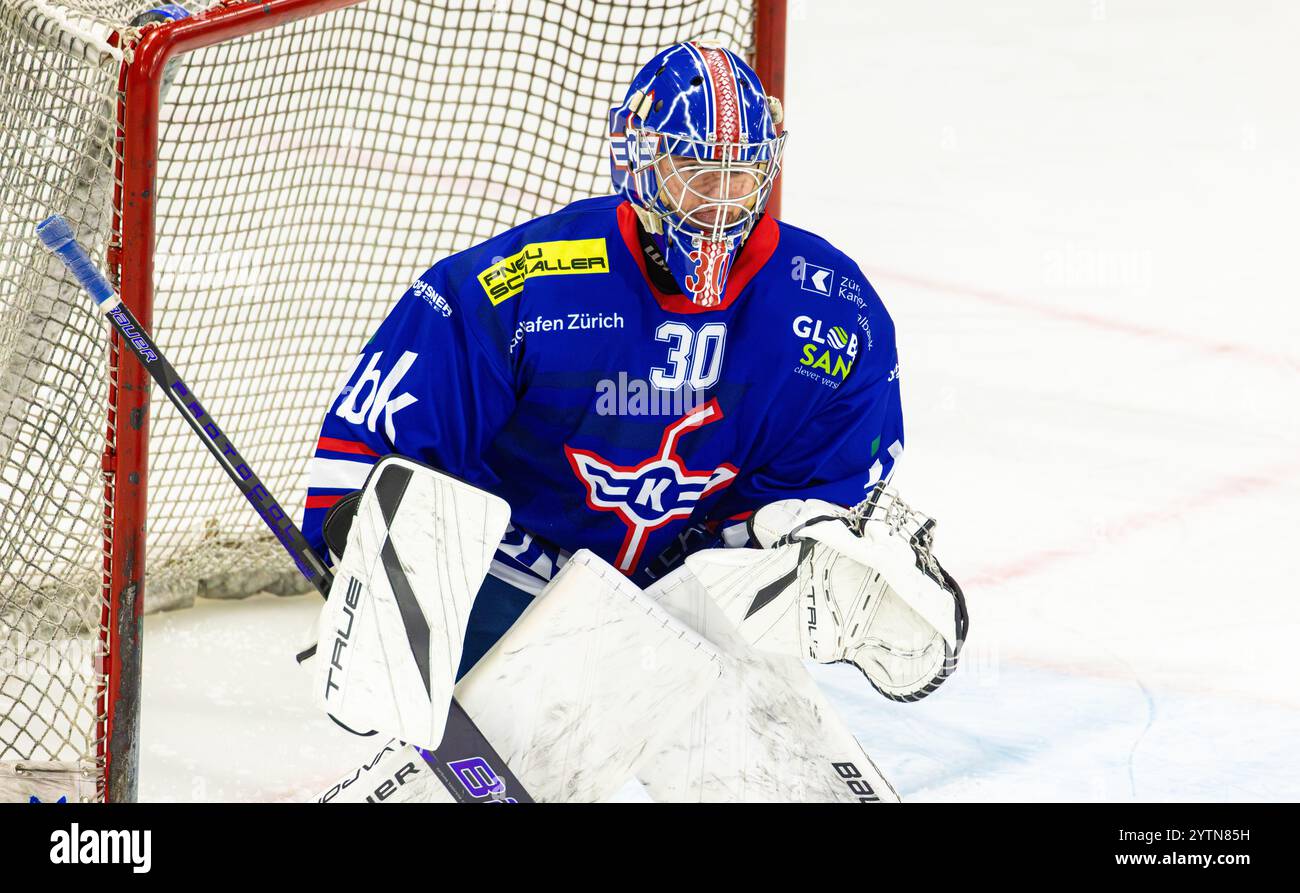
column 462, row 739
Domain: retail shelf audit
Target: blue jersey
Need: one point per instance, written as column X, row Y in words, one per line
column 547, row 366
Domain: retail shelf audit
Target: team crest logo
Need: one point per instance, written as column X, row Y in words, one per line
column 652, row 493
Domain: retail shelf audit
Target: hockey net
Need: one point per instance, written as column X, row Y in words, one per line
column 304, row 174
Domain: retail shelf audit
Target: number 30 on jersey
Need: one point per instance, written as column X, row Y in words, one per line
column 694, row 355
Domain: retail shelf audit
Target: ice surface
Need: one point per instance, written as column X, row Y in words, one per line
column 1081, row 217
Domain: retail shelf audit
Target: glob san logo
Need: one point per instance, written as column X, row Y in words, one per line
column 652, row 493
column 829, row 350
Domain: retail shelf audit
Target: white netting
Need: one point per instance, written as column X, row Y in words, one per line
column 306, row 175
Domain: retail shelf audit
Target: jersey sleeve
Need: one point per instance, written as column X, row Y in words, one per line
column 434, row 383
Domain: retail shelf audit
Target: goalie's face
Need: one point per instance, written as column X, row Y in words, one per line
column 709, row 196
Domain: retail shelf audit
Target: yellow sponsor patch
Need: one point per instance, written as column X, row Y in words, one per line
column 505, row 279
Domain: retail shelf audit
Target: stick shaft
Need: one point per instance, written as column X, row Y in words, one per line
column 57, row 236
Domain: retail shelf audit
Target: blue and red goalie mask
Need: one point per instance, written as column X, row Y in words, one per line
column 694, row 147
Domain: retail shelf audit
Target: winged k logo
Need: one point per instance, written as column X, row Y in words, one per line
column 654, row 492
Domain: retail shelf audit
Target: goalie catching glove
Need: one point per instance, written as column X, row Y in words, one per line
column 858, row 585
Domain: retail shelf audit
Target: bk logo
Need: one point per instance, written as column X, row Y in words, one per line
column 648, row 495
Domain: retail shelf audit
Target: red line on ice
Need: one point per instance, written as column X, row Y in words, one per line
column 1110, row 324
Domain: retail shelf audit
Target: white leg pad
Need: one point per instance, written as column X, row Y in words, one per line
column 592, row 676
column 764, row 732
column 390, row 636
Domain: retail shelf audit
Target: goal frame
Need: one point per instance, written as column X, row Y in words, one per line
column 130, row 259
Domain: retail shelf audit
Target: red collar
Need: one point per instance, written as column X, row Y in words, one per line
column 759, row 248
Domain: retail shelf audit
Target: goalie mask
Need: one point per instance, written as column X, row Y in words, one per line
column 694, row 147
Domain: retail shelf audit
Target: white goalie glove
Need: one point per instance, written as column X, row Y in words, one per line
column 859, row 585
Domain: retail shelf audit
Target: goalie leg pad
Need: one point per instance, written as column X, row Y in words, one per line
column 391, row 632
column 592, row 676
column 764, row 733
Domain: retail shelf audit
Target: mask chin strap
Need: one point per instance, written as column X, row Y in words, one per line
column 650, row 222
